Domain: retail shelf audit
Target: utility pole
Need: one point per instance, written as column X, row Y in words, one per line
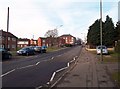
column 101, row 55
column 7, row 29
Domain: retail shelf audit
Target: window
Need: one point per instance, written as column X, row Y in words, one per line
column 8, row 38
column 43, row 41
column 13, row 46
column 0, row 37
column 13, row 39
column 3, row 38
column 8, row 46
column 21, row 45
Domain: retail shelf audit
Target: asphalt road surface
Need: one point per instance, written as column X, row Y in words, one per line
column 37, row 70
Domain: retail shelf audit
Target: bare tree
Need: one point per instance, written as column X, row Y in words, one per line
column 51, row 33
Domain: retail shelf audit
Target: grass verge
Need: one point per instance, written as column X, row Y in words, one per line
column 111, row 57
column 51, row 49
column 116, row 77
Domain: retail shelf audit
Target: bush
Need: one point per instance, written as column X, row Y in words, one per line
column 68, row 45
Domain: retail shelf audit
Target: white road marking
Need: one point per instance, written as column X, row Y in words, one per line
column 7, row 73
column 52, row 58
column 37, row 63
column 25, row 67
column 39, row 87
column 61, row 69
column 52, row 77
column 59, row 55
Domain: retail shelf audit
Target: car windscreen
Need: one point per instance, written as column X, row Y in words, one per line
column 102, row 47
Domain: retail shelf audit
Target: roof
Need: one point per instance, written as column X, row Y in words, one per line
column 42, row 37
column 66, row 35
column 3, row 33
column 23, row 39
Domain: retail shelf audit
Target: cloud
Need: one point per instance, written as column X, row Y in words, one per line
column 35, row 17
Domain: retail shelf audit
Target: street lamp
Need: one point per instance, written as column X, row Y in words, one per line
column 57, row 28
column 101, row 56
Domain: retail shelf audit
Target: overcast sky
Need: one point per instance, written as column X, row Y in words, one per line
column 36, row 17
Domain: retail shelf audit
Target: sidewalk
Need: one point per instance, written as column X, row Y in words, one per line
column 89, row 73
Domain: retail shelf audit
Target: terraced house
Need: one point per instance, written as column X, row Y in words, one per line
column 8, row 40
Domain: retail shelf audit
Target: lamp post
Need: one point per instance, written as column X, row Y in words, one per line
column 57, row 28
column 101, row 56
column 57, row 33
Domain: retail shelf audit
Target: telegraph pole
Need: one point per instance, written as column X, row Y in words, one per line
column 7, row 29
column 101, row 55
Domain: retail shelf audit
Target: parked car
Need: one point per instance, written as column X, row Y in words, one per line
column 37, row 49
column 5, row 54
column 26, row 51
column 43, row 49
column 104, row 49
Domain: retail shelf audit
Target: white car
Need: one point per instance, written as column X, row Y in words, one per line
column 104, row 49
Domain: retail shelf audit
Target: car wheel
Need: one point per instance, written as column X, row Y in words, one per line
column 27, row 54
column 9, row 56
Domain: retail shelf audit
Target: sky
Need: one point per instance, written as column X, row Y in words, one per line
column 33, row 18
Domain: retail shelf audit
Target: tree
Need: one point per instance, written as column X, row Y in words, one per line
column 117, row 30
column 93, row 36
column 51, row 33
column 109, row 32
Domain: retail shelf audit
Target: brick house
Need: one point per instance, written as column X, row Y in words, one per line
column 51, row 41
column 69, row 39
column 42, row 41
column 33, row 42
column 23, row 42
column 8, row 40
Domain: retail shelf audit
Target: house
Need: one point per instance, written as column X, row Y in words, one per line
column 42, row 41
column 33, row 42
column 8, row 40
column 23, row 42
column 69, row 39
column 51, row 41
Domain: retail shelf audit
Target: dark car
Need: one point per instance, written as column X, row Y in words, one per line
column 26, row 51
column 43, row 49
column 5, row 54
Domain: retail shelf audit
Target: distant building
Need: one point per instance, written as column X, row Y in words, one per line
column 33, row 42
column 42, row 41
column 69, row 39
column 8, row 40
column 23, row 42
column 51, row 41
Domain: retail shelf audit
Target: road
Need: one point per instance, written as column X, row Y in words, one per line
column 37, row 70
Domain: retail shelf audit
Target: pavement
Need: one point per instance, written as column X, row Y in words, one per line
column 88, row 72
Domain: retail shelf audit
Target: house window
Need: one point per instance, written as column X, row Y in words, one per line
column 0, row 46
column 13, row 46
column 8, row 46
column 8, row 38
column 43, row 41
column 0, row 37
column 13, row 39
column 21, row 45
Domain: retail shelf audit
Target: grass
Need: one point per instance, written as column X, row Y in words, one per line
column 116, row 77
column 14, row 53
column 111, row 57
column 15, row 56
column 51, row 49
